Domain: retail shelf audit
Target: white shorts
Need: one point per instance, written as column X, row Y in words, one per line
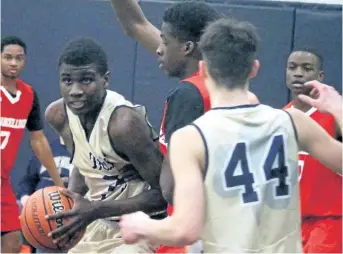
column 104, row 236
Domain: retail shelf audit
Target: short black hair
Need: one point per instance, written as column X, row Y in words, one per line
column 313, row 52
column 84, row 51
column 189, row 19
column 12, row 40
column 229, row 48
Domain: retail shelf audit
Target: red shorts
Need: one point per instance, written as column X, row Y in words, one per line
column 322, row 235
column 9, row 208
column 169, row 249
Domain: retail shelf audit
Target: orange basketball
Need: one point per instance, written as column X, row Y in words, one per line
column 36, row 227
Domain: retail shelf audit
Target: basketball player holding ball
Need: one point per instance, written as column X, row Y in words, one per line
column 117, row 164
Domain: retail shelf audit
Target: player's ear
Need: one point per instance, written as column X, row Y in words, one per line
column 321, row 76
column 254, row 69
column 203, row 69
column 188, row 48
column 106, row 79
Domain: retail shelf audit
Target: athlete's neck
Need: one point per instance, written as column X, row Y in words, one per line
column 191, row 68
column 298, row 104
column 9, row 83
column 88, row 120
column 229, row 98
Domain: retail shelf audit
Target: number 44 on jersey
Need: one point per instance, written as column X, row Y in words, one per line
column 273, row 188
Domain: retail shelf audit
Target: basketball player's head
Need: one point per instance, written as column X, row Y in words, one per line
column 303, row 65
column 13, row 54
column 84, row 75
column 183, row 24
column 229, row 54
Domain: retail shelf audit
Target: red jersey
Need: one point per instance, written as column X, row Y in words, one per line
column 320, row 187
column 198, row 81
column 14, row 114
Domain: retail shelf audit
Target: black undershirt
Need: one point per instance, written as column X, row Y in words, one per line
column 34, row 120
column 185, row 105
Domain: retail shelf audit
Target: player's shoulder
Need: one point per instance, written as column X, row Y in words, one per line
column 294, row 113
column 188, row 139
column 189, row 132
column 122, row 119
column 114, row 96
column 24, row 86
column 23, row 83
column 185, row 90
column 56, row 114
column 253, row 98
column 301, row 122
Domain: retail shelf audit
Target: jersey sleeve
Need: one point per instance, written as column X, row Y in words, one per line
column 185, row 105
column 34, row 121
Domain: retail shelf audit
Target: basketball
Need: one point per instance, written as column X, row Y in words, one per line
column 36, row 227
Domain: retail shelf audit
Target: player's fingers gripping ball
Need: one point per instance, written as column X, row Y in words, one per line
column 36, row 227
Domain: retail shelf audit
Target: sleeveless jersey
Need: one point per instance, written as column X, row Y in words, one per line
column 252, row 192
column 198, row 81
column 320, row 187
column 14, row 114
column 97, row 161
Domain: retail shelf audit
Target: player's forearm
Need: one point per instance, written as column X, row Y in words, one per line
column 129, row 14
column 167, row 232
column 136, row 25
column 41, row 148
column 147, row 202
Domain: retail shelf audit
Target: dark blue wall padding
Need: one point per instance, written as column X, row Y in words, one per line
column 323, row 32
column 46, row 26
column 274, row 26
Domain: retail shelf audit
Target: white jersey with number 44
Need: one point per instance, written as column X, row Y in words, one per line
column 252, row 192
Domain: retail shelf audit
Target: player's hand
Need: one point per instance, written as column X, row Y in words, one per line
column 323, row 97
column 24, row 199
column 131, row 226
column 79, row 217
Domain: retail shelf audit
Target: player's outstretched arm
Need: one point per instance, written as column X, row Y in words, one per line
column 136, row 25
column 187, row 155
column 316, row 141
column 328, row 100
